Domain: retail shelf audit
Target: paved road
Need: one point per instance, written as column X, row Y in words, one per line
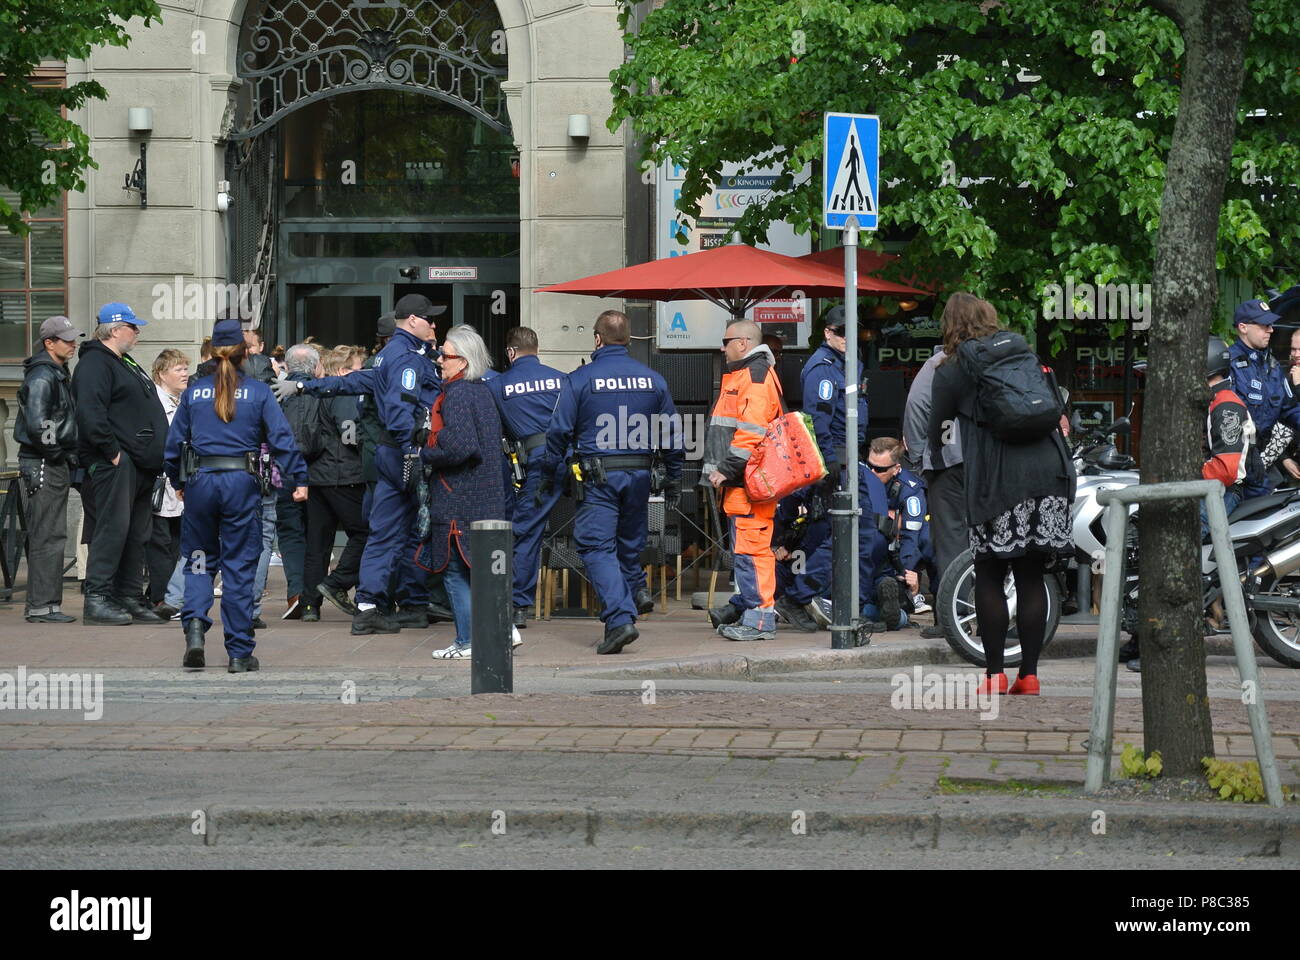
column 497, row 856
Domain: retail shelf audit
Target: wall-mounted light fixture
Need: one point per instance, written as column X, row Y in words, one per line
column 579, row 126
column 139, row 120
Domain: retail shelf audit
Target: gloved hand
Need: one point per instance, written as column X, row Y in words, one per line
column 672, row 496
column 544, row 487
column 284, row 389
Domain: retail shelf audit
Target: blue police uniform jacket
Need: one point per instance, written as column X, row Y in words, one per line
column 258, row 419
column 824, row 400
column 909, row 501
column 526, row 395
column 404, row 388
column 615, row 406
column 1262, row 384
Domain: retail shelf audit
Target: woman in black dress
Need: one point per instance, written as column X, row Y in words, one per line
column 1018, row 500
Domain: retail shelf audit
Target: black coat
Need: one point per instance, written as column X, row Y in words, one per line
column 117, row 410
column 998, row 475
column 46, row 411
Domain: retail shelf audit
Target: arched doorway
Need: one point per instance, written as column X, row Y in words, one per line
column 373, row 157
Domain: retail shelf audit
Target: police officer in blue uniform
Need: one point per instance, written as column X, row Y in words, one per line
column 526, row 395
column 213, row 462
column 612, row 411
column 804, row 568
column 1262, row 384
column 404, row 387
column 911, row 525
column 824, row 397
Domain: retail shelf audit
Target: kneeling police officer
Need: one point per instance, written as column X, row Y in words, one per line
column 214, row 463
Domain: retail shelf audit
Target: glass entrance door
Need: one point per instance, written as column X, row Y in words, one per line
column 340, row 312
column 492, row 309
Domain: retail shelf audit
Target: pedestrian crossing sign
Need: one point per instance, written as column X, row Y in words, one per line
column 851, row 170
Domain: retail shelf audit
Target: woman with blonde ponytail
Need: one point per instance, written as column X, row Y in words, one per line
column 213, row 462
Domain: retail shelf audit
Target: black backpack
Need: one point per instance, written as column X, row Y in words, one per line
column 1013, row 398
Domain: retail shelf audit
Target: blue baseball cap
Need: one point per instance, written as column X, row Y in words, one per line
column 1254, row 311
column 119, row 313
column 227, row 333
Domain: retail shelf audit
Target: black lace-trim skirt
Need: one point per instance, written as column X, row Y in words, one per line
column 1039, row 525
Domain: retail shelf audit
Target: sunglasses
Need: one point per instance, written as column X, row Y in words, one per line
column 449, row 356
column 727, row 340
column 883, row 469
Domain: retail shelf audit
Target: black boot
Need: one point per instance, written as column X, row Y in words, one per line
column 521, row 615
column 616, row 638
column 372, row 621
column 101, row 610
column 408, row 617
column 140, row 611
column 644, row 601
column 246, row 664
column 194, row 631
column 725, row 614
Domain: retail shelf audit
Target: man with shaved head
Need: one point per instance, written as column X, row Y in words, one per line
column 750, row 399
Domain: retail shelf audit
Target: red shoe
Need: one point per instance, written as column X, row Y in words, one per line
column 995, row 683
column 1026, row 685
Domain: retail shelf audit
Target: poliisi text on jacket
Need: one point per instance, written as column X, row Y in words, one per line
column 622, row 383
column 531, row 386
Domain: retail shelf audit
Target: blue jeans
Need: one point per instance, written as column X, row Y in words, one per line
column 176, row 586
column 264, row 558
column 456, row 579
column 1232, row 498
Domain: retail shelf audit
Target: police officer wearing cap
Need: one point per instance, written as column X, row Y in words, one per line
column 1259, row 380
column 404, row 387
column 824, row 394
column 213, row 461
column 610, row 411
column 525, row 396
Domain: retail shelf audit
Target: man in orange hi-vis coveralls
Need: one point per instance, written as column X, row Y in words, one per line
column 750, row 400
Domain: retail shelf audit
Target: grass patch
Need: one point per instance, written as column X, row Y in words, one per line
column 951, row 787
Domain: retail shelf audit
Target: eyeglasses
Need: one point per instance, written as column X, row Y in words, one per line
column 727, row 340
column 838, row 331
column 883, row 469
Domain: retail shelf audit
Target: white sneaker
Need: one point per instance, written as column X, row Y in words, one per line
column 515, row 638
column 454, row 652
column 919, row 605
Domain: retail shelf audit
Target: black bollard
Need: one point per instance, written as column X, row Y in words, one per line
column 843, row 604
column 491, row 546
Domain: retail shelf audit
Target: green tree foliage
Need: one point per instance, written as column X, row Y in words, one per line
column 42, row 154
column 1004, row 184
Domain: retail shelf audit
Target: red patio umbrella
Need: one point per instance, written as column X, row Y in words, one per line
column 735, row 277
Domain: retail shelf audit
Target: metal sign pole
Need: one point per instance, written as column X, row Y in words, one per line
column 850, row 239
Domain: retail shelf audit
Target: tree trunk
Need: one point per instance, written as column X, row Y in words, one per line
column 1175, row 708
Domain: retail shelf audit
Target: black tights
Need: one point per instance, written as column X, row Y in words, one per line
column 1031, row 609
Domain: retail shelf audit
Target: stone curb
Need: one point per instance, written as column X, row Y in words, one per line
column 741, row 666
column 1055, row 828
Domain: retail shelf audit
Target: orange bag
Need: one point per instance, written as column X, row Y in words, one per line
column 786, row 459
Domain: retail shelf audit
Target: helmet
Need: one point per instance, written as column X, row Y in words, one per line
column 1216, row 357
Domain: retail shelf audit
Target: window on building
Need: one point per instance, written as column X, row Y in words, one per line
column 33, row 272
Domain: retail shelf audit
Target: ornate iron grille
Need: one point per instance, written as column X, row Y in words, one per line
column 251, row 170
column 304, row 50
